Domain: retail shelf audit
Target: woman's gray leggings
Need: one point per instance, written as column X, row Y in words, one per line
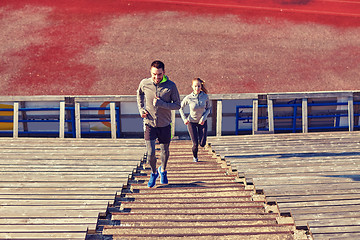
column 164, row 154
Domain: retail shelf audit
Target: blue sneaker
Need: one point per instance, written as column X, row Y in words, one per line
column 152, row 180
column 163, row 175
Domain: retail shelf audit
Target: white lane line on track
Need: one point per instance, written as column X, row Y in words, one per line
column 277, row 9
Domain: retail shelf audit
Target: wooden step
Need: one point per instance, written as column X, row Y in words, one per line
column 228, row 236
column 57, row 188
column 170, row 205
column 197, row 185
column 124, row 216
column 198, row 230
column 201, row 200
column 197, row 222
column 179, row 200
column 192, row 193
column 222, row 210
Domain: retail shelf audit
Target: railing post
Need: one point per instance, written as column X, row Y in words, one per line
column 77, row 120
column 62, row 120
column 113, row 120
column 16, row 120
column 118, row 120
column 304, row 114
column 271, row 115
column 255, row 115
column 173, row 117
column 351, row 113
column 219, row 118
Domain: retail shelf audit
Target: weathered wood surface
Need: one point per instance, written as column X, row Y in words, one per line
column 314, row 176
column 203, row 200
column 56, row 188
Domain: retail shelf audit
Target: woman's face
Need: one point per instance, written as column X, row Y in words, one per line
column 196, row 86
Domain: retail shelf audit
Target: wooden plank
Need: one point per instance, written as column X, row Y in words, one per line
column 98, row 208
column 255, row 116
column 291, row 191
column 234, row 96
column 325, row 94
column 312, row 135
column 45, row 228
column 337, row 222
column 302, row 169
column 132, row 98
column 337, row 236
column 304, row 119
column 65, row 184
column 325, row 187
column 351, row 113
column 285, row 198
column 107, row 98
column 219, row 118
column 73, row 142
column 36, row 98
column 87, row 203
column 59, row 191
column 62, row 120
column 79, row 152
column 298, row 180
column 77, row 120
column 11, row 162
column 51, row 196
column 324, row 203
column 335, row 229
column 75, row 170
column 321, row 209
column 311, row 216
column 35, row 212
column 278, row 161
column 271, row 115
column 44, row 235
column 62, row 167
column 16, row 120
column 61, row 178
column 113, row 120
column 47, row 220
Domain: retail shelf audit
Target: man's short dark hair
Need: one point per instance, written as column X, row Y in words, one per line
column 158, row 64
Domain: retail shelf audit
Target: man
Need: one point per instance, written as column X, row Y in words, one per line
column 156, row 97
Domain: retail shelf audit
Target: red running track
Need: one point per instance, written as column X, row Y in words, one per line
column 69, row 47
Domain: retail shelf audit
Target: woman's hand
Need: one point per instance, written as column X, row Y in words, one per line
column 201, row 123
column 186, row 122
column 144, row 114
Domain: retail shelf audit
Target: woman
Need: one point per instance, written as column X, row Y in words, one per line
column 200, row 108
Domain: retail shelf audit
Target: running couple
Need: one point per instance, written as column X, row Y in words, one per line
column 156, row 97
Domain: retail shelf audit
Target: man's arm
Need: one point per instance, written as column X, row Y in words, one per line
column 140, row 97
column 174, row 103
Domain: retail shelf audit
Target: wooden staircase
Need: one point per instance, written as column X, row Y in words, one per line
column 56, row 188
column 203, row 200
column 313, row 176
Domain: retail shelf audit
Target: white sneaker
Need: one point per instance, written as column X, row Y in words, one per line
column 195, row 159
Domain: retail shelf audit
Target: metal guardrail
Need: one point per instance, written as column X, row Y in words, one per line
column 70, row 112
column 73, row 132
column 334, row 115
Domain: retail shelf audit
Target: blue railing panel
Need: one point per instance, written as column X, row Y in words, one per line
column 295, row 116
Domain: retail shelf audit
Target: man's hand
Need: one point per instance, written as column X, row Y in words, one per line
column 155, row 100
